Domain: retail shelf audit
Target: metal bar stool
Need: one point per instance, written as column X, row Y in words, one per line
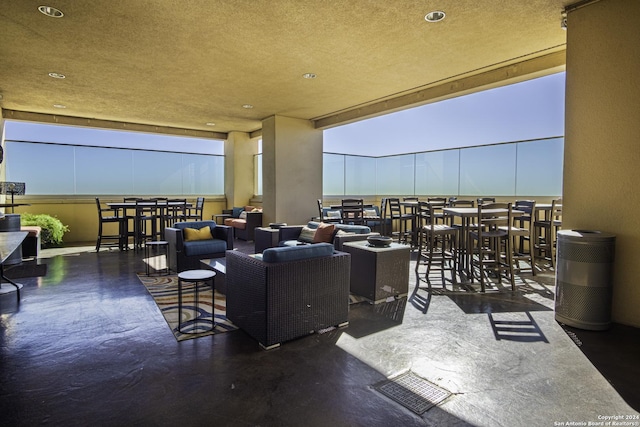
column 195, row 277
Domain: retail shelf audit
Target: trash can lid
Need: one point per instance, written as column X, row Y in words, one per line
column 585, row 235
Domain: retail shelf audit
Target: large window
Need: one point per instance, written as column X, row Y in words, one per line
column 510, row 169
column 62, row 160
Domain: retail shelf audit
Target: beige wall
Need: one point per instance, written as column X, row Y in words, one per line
column 602, row 138
column 291, row 170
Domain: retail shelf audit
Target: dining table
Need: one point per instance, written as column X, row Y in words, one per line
column 467, row 217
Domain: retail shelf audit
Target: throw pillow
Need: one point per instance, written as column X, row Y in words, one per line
column 306, row 235
column 235, row 213
column 191, row 234
column 324, row 233
column 370, row 213
column 243, row 215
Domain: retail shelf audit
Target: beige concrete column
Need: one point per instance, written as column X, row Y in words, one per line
column 239, row 151
column 602, row 133
column 291, row 170
column 3, row 169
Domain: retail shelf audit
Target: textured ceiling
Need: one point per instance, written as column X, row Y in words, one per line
column 185, row 63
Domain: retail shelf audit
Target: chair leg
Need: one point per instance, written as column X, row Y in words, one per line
column 99, row 239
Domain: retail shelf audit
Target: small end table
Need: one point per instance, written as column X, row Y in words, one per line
column 379, row 273
column 196, row 277
column 265, row 237
column 219, row 218
column 156, row 245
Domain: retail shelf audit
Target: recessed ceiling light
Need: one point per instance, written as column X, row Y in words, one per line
column 51, row 12
column 435, row 16
column 59, row 106
column 247, row 106
column 210, row 124
column 57, row 75
column 309, row 76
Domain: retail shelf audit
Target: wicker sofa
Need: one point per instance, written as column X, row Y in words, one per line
column 291, row 235
column 278, row 301
column 186, row 255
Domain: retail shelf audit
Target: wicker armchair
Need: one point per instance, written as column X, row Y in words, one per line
column 185, row 255
column 277, row 302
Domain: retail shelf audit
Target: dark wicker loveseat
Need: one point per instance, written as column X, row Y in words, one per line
column 278, row 301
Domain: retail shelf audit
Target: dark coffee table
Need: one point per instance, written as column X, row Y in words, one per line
column 219, row 265
column 379, row 273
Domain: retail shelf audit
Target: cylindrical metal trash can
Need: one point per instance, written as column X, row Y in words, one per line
column 11, row 222
column 583, row 278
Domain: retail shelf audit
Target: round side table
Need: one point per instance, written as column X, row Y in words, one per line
column 198, row 278
column 156, row 245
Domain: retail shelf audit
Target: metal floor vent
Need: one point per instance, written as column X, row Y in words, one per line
column 412, row 392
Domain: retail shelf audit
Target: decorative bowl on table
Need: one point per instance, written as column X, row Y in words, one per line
column 276, row 225
column 379, row 241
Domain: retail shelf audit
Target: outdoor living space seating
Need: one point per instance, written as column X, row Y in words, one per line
column 288, row 292
column 189, row 242
column 244, row 221
column 320, row 232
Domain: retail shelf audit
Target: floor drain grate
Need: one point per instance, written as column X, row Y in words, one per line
column 412, row 392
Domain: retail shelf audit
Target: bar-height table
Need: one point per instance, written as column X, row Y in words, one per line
column 467, row 215
column 132, row 205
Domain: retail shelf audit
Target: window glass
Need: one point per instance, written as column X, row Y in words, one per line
column 437, row 173
column 489, row 170
column 539, row 168
column 395, row 175
column 111, row 175
column 79, row 170
column 333, row 174
column 360, row 174
column 51, row 171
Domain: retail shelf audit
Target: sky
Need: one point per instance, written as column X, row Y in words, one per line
column 528, row 110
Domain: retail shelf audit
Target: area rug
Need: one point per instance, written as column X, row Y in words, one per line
column 195, row 320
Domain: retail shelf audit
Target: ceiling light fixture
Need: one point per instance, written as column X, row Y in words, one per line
column 309, row 75
column 435, row 16
column 247, row 106
column 57, row 75
column 59, row 106
column 51, row 12
column 210, row 124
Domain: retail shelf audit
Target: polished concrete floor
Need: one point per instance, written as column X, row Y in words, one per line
column 87, row 345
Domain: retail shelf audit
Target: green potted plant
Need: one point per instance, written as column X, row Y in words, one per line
column 52, row 228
